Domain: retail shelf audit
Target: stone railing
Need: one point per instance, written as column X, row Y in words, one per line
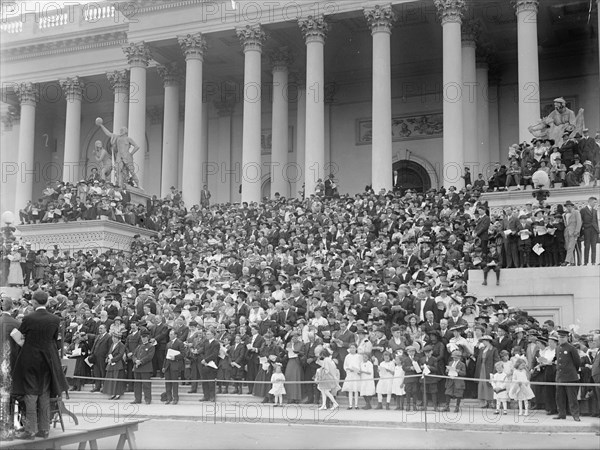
column 497, row 201
column 82, row 235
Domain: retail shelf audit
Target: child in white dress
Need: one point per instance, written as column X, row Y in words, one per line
column 384, row 385
column 398, row 382
column 498, row 381
column 520, row 390
column 278, row 387
column 352, row 364
column 367, row 384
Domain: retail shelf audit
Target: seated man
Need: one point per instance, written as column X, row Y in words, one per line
column 558, row 171
column 513, row 175
column 526, row 175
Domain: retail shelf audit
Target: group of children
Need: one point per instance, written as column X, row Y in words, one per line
column 508, row 385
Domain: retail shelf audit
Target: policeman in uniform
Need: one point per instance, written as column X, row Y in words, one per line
column 567, row 364
column 142, row 368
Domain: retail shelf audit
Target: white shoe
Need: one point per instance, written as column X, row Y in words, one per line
column 336, row 406
column 520, row 413
column 526, row 413
column 322, row 408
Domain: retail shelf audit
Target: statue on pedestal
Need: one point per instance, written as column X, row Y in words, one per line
column 557, row 122
column 124, row 156
column 104, row 160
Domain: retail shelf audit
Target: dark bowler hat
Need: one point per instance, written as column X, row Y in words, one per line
column 563, row 333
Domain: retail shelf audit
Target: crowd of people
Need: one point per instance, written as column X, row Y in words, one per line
column 262, row 297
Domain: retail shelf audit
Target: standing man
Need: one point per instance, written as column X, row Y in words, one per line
column 481, row 230
column 567, row 365
column 173, row 366
column 572, row 220
column 98, row 356
column 210, row 363
column 38, row 374
column 205, row 197
column 9, row 350
column 589, row 223
column 142, row 368
column 132, row 342
column 28, row 263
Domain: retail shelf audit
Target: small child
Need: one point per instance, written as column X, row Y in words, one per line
column 367, row 384
column 455, row 388
column 352, row 382
column 398, row 382
column 498, row 381
column 278, row 388
column 384, row 386
column 520, row 390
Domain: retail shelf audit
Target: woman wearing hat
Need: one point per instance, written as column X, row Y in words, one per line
column 413, row 331
column 15, row 272
column 115, row 368
column 41, row 265
column 486, row 360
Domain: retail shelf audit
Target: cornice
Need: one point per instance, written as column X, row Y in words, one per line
column 116, row 38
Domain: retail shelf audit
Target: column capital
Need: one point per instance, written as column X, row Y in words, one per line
column 450, row 10
column 171, row 74
column 526, row 5
column 381, row 18
column 138, row 54
column 298, row 78
column 193, row 46
column 72, row 88
column 280, row 59
column 470, row 32
column 28, row 93
column 119, row 80
column 314, row 28
column 252, row 37
column 225, row 108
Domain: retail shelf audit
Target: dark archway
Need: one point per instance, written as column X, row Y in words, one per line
column 412, row 176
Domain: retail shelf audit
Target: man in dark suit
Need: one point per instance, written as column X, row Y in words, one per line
column 481, row 229
column 429, row 324
column 7, row 325
column 340, row 342
column 589, row 226
column 423, row 303
column 254, row 345
column 38, row 374
column 132, row 341
column 596, row 368
column 142, row 368
column 567, row 366
column 237, row 356
column 210, row 363
column 361, row 297
column 287, row 315
column 160, row 333
column 172, row 367
column 99, row 353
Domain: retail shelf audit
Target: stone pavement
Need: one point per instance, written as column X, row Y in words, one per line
column 92, row 408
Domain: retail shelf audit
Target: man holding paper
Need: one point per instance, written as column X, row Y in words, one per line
column 211, row 364
column 38, row 374
column 173, row 366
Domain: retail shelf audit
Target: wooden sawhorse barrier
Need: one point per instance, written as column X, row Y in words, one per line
column 125, row 431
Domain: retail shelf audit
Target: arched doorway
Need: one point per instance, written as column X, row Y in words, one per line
column 412, row 175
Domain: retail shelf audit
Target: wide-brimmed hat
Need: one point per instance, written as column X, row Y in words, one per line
column 410, row 316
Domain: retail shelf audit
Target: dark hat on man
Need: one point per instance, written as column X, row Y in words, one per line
column 569, row 203
column 563, row 333
column 144, row 331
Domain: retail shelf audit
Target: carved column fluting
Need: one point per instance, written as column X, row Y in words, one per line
column 73, row 90
column 171, row 76
column 193, row 47
column 314, row 30
column 138, row 56
column 280, row 62
column 251, row 39
column 453, row 156
column 119, row 83
column 28, row 95
column 529, row 73
column 470, row 32
column 381, row 20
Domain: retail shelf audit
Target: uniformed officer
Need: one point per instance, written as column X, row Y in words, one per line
column 142, row 368
column 567, row 363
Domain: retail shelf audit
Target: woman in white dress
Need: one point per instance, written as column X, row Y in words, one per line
column 367, row 384
column 384, row 385
column 352, row 364
column 15, row 272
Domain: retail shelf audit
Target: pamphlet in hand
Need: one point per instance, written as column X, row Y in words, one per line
column 17, row 337
column 88, row 362
column 171, row 354
column 538, row 249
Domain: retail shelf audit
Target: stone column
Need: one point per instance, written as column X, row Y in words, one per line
column 73, row 89
column 252, row 39
column 483, row 115
column 193, row 47
column 9, row 158
column 171, row 77
column 119, row 83
column 529, row 74
column 314, row 29
column 138, row 57
column 298, row 173
column 453, row 157
column 330, row 91
column 470, row 33
column 380, row 20
column 224, row 171
column 280, row 60
column 28, row 95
